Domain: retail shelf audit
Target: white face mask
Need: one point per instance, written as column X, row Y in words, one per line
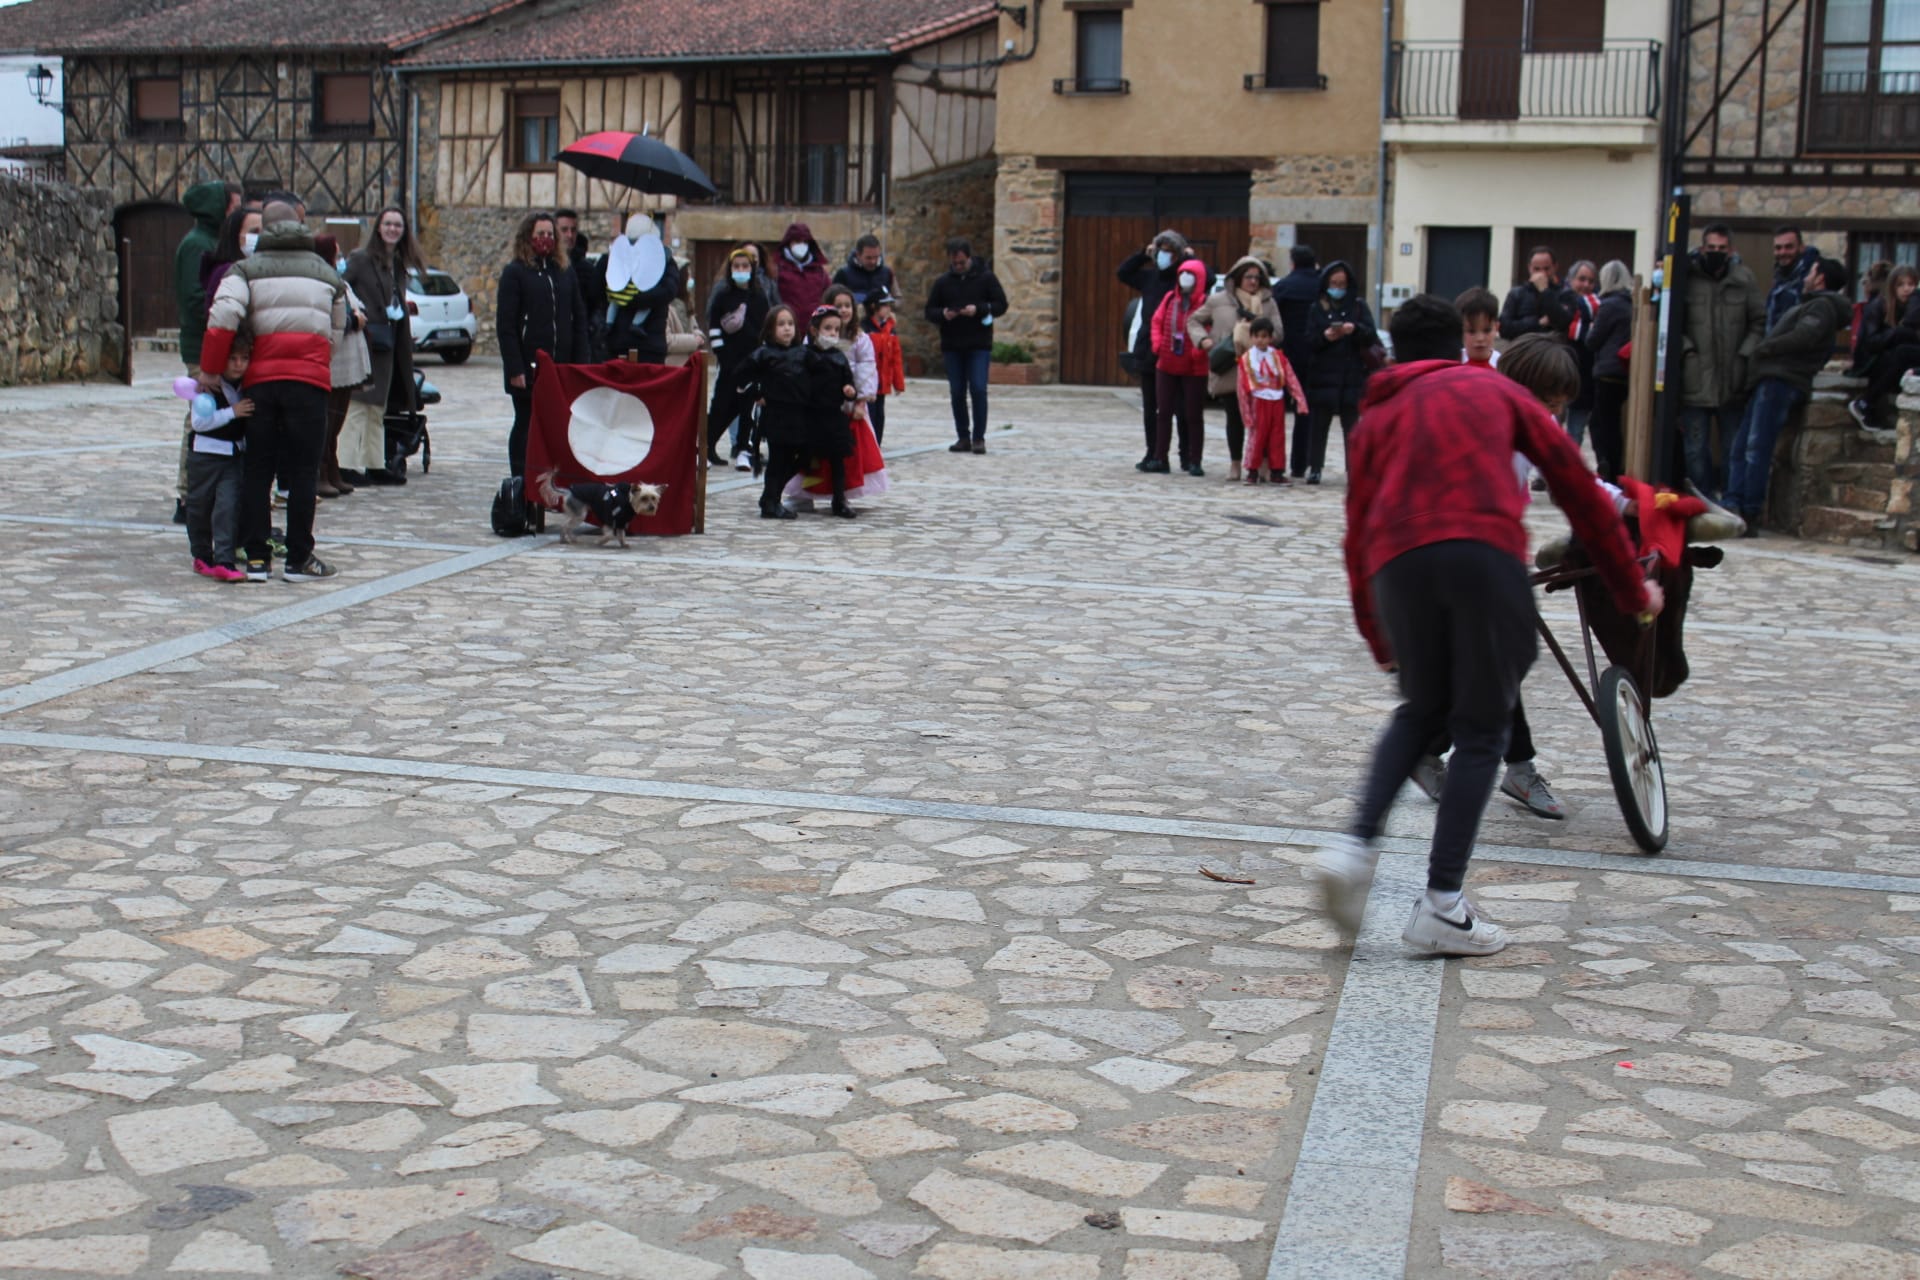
column 826, row 342
column 799, row 252
column 1163, row 259
column 249, row 242
column 1186, row 279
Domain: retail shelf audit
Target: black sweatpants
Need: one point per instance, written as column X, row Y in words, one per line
column 727, row 405
column 1150, row 405
column 1607, row 427
column 1236, row 429
column 784, row 462
column 1458, row 617
column 1186, row 395
column 285, row 435
column 1519, row 738
column 1311, row 429
column 522, row 398
column 215, row 482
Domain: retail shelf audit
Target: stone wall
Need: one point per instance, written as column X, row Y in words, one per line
column 1840, row 205
column 1901, row 511
column 472, row 246
column 1310, row 188
column 923, row 213
column 1029, row 211
column 59, row 317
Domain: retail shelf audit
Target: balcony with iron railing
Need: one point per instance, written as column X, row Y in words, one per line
column 793, row 175
column 1507, row 93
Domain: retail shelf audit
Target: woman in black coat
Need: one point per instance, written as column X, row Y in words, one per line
column 1612, row 329
column 1344, row 334
column 736, row 313
column 378, row 275
column 539, row 311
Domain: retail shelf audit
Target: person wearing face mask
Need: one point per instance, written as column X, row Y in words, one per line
column 1180, row 371
column 539, row 311
column 1150, row 273
column 239, row 240
column 377, row 274
column 736, row 313
column 802, row 269
column 1343, row 333
column 1726, row 318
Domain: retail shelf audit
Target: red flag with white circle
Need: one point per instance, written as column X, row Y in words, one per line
column 621, row 422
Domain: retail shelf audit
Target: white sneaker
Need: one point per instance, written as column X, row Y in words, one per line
column 742, row 462
column 1345, row 866
column 1463, row 933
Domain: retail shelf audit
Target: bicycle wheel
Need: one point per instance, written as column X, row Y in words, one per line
column 1633, row 758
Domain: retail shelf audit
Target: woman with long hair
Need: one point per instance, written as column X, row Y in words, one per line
column 1889, row 343
column 377, row 274
column 539, row 310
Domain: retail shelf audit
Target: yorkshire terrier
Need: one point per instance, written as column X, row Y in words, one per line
column 613, row 505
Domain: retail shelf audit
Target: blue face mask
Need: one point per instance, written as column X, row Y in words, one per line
column 1336, row 294
column 741, row 277
column 1163, row 259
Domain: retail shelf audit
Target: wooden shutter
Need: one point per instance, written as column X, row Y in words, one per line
column 1293, row 45
column 156, row 98
column 1568, row 26
column 346, row 100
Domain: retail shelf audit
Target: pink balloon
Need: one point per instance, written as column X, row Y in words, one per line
column 186, row 388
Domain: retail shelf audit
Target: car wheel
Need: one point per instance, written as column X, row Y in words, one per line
column 455, row 355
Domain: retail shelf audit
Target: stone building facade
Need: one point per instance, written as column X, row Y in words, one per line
column 1784, row 124
column 1114, row 122
column 56, row 326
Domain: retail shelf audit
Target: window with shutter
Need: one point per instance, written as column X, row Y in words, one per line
column 156, row 109
column 1566, row 26
column 1097, row 51
column 345, row 105
column 1293, row 46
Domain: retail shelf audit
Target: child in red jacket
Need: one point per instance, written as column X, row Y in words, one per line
column 1180, row 371
column 1435, row 552
column 887, row 355
column 1266, row 381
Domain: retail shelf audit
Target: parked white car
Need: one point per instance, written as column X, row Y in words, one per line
column 443, row 320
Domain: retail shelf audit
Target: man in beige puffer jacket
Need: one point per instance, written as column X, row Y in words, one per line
column 293, row 304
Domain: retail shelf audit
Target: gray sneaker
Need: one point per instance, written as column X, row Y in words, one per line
column 312, row 571
column 1430, row 775
column 1524, row 785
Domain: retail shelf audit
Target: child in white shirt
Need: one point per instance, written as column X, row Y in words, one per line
column 1267, row 380
column 215, row 469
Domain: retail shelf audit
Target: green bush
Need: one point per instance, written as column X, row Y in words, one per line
column 1012, row 353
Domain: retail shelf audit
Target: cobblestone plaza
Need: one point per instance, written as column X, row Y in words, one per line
column 824, row 900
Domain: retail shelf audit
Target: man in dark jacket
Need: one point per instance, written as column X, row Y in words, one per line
column 593, row 288
column 209, row 203
column 1784, row 363
column 1726, row 318
column 1793, row 257
column 964, row 304
column 1151, row 273
column 1295, row 294
column 1538, row 304
column 866, row 272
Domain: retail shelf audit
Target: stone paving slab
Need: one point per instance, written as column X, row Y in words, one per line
column 832, row 908
column 1672, row 1077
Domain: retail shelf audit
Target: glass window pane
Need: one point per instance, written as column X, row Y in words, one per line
column 1099, row 39
column 1901, row 20
column 1849, row 21
column 1843, row 71
column 1900, row 69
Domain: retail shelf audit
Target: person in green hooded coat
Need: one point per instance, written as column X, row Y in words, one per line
column 209, row 203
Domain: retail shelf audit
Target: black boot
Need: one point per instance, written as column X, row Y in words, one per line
column 838, row 469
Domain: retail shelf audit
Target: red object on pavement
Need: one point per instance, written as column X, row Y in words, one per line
column 621, row 422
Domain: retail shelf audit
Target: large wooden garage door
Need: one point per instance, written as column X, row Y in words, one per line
column 156, row 231
column 1110, row 216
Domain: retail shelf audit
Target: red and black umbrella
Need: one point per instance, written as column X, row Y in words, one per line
column 639, row 161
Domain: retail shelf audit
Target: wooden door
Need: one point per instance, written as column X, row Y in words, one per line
column 155, row 231
column 1492, row 33
column 1093, row 302
column 1457, row 259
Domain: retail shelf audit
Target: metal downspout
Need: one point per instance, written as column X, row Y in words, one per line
column 1386, row 101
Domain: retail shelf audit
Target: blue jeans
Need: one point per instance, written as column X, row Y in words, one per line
column 1697, row 422
column 1577, row 423
column 967, row 376
column 1750, row 457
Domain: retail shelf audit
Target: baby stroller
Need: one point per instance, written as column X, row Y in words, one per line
column 407, row 429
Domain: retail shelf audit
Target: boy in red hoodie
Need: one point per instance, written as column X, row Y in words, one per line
column 1180, row 371
column 1435, row 552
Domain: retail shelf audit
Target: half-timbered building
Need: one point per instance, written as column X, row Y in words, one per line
column 1806, row 112
column 300, row 97
column 863, row 116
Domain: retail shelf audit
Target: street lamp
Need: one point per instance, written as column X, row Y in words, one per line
column 40, row 84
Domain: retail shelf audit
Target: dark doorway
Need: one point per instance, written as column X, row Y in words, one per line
column 1596, row 245
column 1492, row 34
column 155, row 231
column 1113, row 215
column 1457, row 259
column 1336, row 242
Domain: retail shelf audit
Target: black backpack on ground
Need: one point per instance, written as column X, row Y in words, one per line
column 513, row 515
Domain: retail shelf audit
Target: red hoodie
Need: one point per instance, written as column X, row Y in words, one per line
column 1170, row 326
column 1434, row 463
